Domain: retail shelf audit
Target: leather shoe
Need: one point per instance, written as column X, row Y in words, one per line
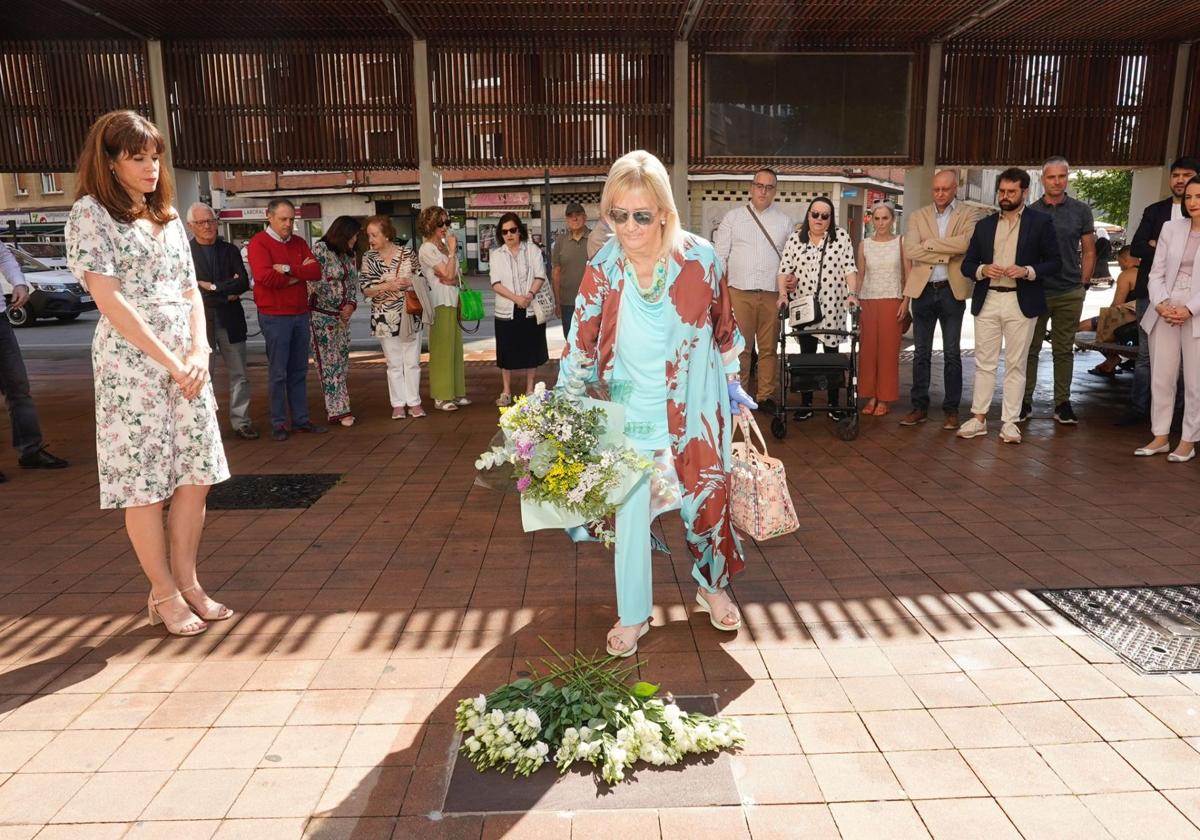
column 767, row 406
column 914, row 417
column 279, row 433
column 42, row 460
column 310, row 428
column 247, row 432
column 951, row 422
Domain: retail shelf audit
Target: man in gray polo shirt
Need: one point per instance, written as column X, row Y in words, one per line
column 1076, row 232
column 568, row 259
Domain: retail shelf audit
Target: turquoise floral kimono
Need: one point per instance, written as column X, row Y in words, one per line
column 702, row 346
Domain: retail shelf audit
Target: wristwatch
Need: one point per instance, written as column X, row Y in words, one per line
column 287, row 269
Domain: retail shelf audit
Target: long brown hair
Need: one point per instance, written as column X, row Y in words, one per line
column 115, row 134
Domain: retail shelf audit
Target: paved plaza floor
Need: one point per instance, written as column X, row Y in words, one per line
column 896, row 677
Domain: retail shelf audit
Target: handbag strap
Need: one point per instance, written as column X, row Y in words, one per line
column 746, row 425
column 761, row 227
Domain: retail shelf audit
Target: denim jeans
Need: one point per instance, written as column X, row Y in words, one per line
column 287, row 341
column 14, row 385
column 937, row 306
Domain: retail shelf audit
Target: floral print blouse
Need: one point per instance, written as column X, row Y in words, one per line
column 338, row 285
column 803, row 259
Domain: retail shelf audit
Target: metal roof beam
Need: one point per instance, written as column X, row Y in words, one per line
column 402, row 18
column 87, row 10
column 687, row 19
column 974, row 19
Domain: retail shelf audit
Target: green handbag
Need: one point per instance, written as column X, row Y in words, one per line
column 470, row 306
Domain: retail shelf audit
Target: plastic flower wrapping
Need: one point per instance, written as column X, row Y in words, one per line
column 583, row 709
column 566, row 454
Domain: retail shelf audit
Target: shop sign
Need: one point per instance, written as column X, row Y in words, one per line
column 48, row 217
column 259, row 214
column 875, row 197
column 497, row 201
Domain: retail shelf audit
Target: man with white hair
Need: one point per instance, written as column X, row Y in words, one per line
column 1076, row 232
column 223, row 279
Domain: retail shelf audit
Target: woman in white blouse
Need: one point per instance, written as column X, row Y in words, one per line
column 884, row 272
column 1174, row 330
column 517, row 273
column 818, row 259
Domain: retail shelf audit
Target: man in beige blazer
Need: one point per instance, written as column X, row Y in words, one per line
column 936, row 239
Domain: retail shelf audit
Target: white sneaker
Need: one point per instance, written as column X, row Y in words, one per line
column 1009, row 433
column 972, row 428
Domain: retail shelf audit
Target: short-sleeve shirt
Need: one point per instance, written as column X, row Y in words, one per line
column 572, row 257
column 1072, row 220
column 387, row 310
column 440, row 293
column 802, row 258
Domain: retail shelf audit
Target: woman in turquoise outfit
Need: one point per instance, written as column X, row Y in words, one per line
column 654, row 328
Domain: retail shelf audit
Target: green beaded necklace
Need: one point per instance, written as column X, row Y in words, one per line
column 655, row 293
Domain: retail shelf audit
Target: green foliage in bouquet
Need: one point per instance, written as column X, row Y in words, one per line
column 583, row 709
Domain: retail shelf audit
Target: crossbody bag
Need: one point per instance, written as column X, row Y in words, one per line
column 804, row 310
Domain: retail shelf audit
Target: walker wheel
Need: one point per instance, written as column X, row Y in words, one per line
column 778, row 427
column 847, row 428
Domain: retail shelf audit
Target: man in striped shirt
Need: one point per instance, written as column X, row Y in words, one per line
column 749, row 241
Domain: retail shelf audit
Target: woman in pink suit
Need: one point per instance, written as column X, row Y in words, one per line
column 1174, row 329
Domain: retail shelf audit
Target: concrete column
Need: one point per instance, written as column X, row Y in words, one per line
column 679, row 135
column 918, row 189
column 190, row 185
column 431, row 179
column 1152, row 183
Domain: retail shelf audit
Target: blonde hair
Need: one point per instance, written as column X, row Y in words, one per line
column 642, row 170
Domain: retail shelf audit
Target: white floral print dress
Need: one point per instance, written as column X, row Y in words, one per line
column 149, row 438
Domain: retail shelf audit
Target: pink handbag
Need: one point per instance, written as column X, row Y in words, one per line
column 760, row 500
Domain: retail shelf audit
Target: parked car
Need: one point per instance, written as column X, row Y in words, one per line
column 53, row 254
column 53, row 293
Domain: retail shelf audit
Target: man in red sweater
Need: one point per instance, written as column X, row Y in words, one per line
column 282, row 265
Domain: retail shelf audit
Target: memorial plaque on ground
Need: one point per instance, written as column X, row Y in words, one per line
column 258, row 492
column 699, row 781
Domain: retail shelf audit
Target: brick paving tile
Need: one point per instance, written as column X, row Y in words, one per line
column 1130, row 815
column 1166, row 763
column 832, row 733
column 1094, row 768
column 1014, row 771
column 934, row 774
column 775, row 779
column 855, row 777
column 172, row 830
column 1120, row 719
column 862, row 820
column 281, row 792
column 112, row 797
column 783, row 822
column 905, row 729
column 267, row 829
column 197, row 795
column 1048, row 723
column 1053, row 818
column 36, row 798
column 85, row 831
column 74, row 752
column 689, row 823
column 603, row 825
column 154, row 749
column 948, row 819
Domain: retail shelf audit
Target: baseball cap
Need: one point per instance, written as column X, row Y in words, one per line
column 574, row 207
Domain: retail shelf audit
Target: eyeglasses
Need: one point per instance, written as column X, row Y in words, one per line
column 507, row 231
column 620, row 217
column 205, row 222
column 814, row 215
column 765, row 187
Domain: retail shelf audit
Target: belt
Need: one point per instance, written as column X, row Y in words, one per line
column 1001, row 288
column 938, row 284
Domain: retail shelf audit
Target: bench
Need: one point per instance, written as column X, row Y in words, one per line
column 1087, row 341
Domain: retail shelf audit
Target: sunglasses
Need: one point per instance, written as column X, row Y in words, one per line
column 443, row 224
column 824, row 217
column 620, row 217
column 507, row 231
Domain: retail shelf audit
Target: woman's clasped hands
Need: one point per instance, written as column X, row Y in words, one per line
column 1175, row 315
column 191, row 374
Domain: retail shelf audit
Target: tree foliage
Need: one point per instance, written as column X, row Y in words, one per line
column 1107, row 190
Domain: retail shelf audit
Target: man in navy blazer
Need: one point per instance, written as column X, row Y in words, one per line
column 1008, row 256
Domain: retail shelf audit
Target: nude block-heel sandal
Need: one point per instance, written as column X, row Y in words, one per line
column 174, row 629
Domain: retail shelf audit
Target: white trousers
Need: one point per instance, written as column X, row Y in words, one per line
column 1001, row 322
column 1168, row 345
column 403, row 370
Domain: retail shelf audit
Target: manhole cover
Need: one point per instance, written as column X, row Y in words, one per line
column 1156, row 629
column 705, row 780
column 256, row 492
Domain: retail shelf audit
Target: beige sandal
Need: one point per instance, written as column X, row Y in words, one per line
column 222, row 613
column 188, row 627
column 621, row 633
column 730, row 610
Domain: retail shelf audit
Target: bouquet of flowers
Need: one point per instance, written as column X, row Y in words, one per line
column 568, row 458
column 582, row 709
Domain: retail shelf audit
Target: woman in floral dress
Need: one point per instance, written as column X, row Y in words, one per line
column 654, row 324
column 331, row 303
column 156, row 422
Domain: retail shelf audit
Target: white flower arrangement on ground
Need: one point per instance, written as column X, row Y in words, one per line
column 583, row 710
column 562, row 456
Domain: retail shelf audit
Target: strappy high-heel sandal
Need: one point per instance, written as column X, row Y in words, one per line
column 182, row 628
column 620, row 634
column 730, row 609
column 222, row 612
